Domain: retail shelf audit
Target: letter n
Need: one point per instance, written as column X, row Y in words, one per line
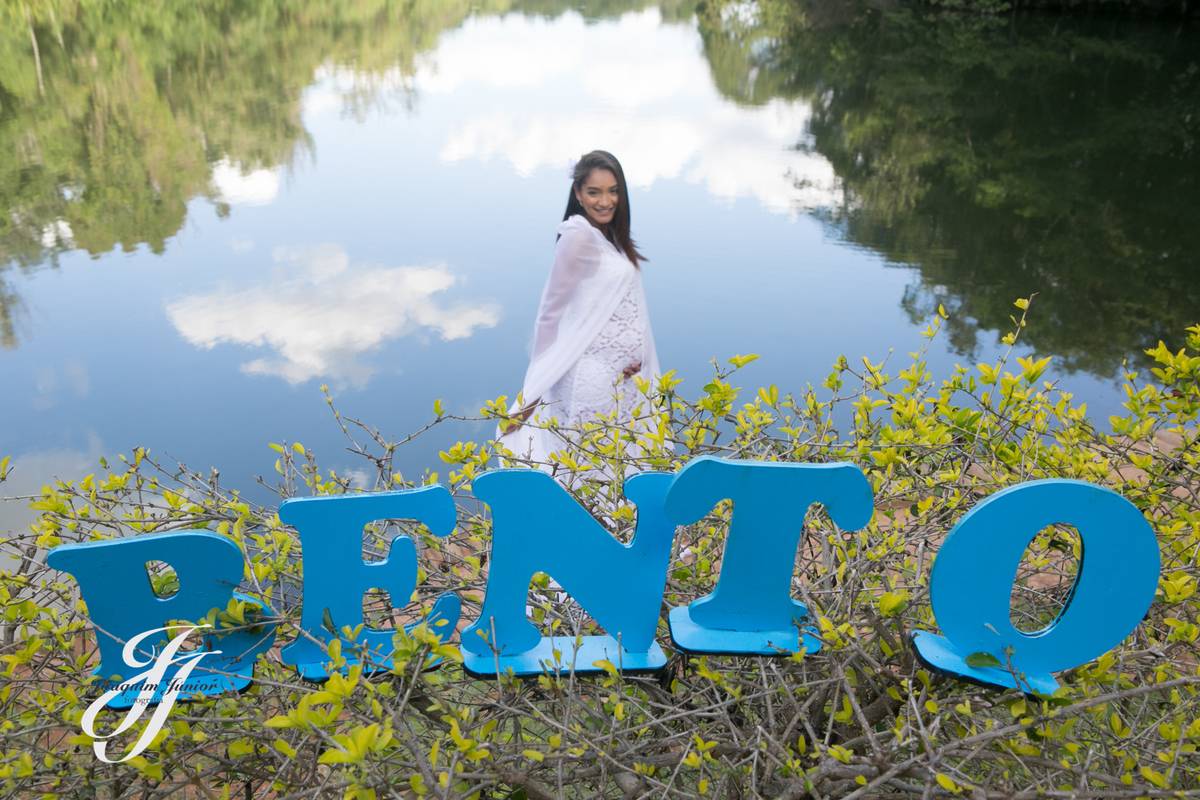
column 538, row 527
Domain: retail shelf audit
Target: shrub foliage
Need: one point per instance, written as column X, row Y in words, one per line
column 860, row 719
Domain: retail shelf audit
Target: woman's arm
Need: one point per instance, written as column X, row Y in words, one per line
column 576, row 257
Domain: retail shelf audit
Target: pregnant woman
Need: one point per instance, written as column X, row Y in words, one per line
column 593, row 332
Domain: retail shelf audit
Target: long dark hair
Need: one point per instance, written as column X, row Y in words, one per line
column 618, row 229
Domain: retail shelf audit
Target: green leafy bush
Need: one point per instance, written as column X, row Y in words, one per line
column 860, row 719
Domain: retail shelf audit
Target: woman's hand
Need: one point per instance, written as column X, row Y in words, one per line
column 630, row 371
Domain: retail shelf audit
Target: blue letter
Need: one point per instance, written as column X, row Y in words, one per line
column 336, row 577
column 538, row 527
column 121, row 602
column 752, row 610
column 971, row 584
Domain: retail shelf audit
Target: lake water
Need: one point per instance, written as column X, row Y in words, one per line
column 211, row 216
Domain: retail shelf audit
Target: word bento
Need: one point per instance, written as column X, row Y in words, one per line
column 537, row 526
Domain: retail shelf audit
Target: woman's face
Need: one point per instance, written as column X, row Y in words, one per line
column 598, row 196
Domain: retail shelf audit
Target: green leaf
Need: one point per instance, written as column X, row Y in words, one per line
column 840, row 753
column 741, row 361
column 607, row 666
column 336, row 757
column 240, row 748
column 947, row 783
column 982, row 660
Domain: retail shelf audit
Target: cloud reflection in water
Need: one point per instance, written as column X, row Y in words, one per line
column 649, row 99
column 240, row 187
column 319, row 313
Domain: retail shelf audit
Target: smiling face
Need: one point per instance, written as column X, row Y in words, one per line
column 599, row 197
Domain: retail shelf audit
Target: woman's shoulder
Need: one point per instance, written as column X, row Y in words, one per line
column 577, row 232
column 576, row 224
column 579, row 237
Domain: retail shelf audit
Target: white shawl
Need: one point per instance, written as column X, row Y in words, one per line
column 588, row 280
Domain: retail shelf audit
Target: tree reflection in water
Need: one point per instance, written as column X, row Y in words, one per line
column 141, row 103
column 999, row 157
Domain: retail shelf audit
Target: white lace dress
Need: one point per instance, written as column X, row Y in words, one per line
column 592, row 323
column 596, row 384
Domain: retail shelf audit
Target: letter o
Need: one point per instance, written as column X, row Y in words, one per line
column 975, row 568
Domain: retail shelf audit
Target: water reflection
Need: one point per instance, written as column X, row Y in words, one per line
column 29, row 472
column 126, row 116
column 237, row 186
column 320, row 314
column 650, row 99
column 52, row 380
column 1001, row 158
